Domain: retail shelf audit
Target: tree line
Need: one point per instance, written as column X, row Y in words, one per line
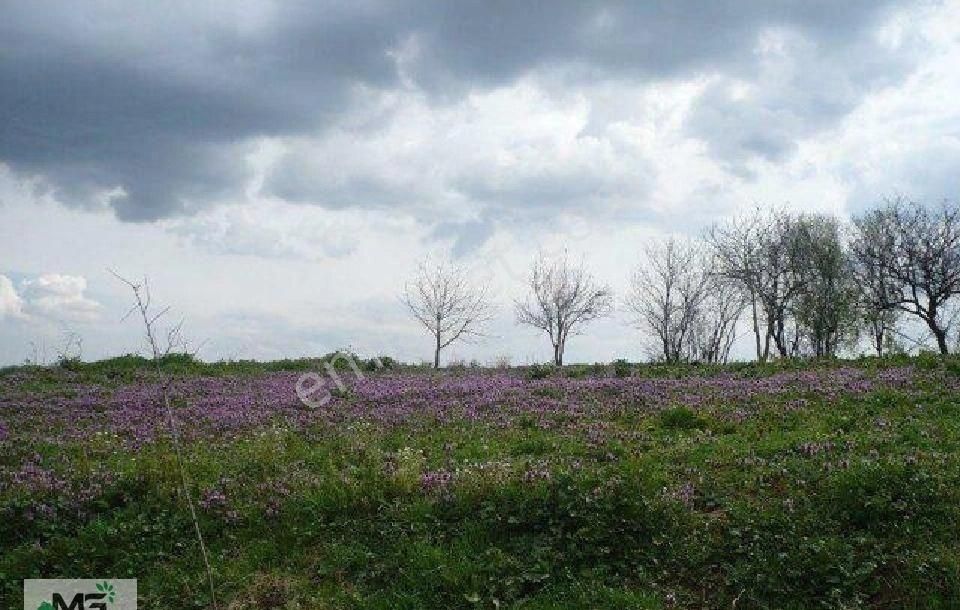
column 805, row 284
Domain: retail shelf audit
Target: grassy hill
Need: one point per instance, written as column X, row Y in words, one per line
column 789, row 485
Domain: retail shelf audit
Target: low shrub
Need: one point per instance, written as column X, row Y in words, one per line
column 540, row 371
column 681, row 418
column 622, row 368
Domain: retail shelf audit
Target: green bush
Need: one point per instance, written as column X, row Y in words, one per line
column 540, row 371
column 681, row 418
column 622, row 368
column 928, row 360
column 70, row 363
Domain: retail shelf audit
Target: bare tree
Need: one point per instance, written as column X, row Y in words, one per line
column 564, row 298
column 915, row 253
column 679, row 299
column 38, row 353
column 878, row 318
column 715, row 329
column 442, row 299
column 666, row 295
column 782, row 278
column 71, row 346
column 160, row 348
column 737, row 251
column 763, row 253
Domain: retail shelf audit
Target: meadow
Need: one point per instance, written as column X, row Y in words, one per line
column 791, row 485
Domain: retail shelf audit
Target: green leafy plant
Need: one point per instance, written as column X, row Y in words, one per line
column 106, row 587
column 622, row 368
column 681, row 418
column 540, row 371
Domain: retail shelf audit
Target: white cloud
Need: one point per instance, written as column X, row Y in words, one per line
column 516, row 156
column 60, row 297
column 273, row 229
column 11, row 305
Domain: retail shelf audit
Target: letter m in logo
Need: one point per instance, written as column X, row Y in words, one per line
column 75, row 604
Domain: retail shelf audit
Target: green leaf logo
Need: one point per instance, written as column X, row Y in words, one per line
column 108, row 589
column 45, row 606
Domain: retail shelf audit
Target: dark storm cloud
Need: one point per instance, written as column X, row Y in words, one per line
column 159, row 99
column 488, row 42
column 103, row 101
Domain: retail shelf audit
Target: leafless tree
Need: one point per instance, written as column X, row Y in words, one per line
column 782, row 278
column 762, row 253
column 666, row 293
column 161, row 346
column 878, row 318
column 564, row 297
column 715, row 329
column 38, row 353
column 915, row 252
column 737, row 246
column 444, row 301
column 71, row 346
column 691, row 311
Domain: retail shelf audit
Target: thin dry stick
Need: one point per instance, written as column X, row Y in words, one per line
column 141, row 295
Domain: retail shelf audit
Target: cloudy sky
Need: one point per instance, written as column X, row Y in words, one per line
column 277, row 169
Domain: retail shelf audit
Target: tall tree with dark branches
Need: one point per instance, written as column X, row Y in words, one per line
column 782, row 277
column 445, row 302
column 564, row 297
column 742, row 250
column 764, row 253
column 915, row 252
column 874, row 287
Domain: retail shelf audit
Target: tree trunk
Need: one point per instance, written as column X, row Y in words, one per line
column 756, row 325
column 436, row 354
column 558, row 354
column 780, row 338
column 941, row 336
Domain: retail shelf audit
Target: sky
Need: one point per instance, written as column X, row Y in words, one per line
column 278, row 169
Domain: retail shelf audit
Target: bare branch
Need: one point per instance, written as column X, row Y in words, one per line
column 564, row 297
column 689, row 310
column 142, row 301
column 908, row 259
column 442, row 299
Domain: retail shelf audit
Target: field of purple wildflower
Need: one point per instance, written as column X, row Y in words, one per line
column 778, row 486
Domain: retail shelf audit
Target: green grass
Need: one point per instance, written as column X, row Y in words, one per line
column 671, row 509
column 131, row 367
